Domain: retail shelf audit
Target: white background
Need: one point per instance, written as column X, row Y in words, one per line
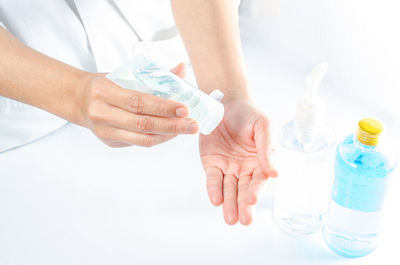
column 69, row 199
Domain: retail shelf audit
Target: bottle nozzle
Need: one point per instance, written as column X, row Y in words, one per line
column 311, row 108
column 314, row 79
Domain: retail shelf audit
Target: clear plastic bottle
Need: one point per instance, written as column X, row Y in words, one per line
column 304, row 158
column 145, row 75
column 362, row 173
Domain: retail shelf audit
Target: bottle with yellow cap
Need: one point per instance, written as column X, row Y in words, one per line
column 362, row 172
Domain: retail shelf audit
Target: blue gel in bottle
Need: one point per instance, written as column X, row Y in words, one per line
column 362, row 174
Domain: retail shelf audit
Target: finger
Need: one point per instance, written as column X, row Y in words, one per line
column 116, row 144
column 144, row 140
column 149, row 124
column 111, row 134
column 245, row 213
column 256, row 186
column 214, row 179
column 180, row 70
column 230, row 200
column 262, row 140
column 142, row 103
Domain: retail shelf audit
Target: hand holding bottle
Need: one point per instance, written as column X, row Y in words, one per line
column 123, row 117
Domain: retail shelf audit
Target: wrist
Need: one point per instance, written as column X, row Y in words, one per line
column 82, row 84
column 240, row 94
column 245, row 96
column 231, row 92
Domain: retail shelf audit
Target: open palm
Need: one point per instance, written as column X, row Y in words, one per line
column 235, row 159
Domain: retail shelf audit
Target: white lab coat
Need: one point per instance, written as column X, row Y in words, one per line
column 95, row 36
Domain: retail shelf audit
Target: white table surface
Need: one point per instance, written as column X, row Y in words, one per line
column 69, row 199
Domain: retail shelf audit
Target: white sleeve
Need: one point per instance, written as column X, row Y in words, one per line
column 2, row 25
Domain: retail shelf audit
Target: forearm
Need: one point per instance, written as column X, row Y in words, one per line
column 33, row 78
column 210, row 31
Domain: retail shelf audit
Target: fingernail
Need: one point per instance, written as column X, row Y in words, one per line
column 181, row 112
column 192, row 128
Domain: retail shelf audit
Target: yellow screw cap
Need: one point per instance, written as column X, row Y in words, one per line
column 369, row 130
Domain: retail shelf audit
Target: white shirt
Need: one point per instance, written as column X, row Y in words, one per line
column 95, row 36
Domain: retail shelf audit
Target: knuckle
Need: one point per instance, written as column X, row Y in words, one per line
column 149, row 141
column 111, row 144
column 212, row 184
column 264, row 121
column 243, row 186
column 114, row 144
column 229, row 184
column 144, row 123
column 102, row 134
column 97, row 91
column 173, row 128
column 94, row 114
column 136, row 103
column 163, row 109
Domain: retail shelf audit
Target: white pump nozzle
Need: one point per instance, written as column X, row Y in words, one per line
column 310, row 112
column 314, row 79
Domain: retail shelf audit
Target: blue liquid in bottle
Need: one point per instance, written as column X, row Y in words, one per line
column 362, row 174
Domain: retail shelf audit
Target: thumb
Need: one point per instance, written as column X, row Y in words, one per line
column 180, row 70
column 263, row 146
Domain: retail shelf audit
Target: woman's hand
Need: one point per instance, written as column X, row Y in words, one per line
column 118, row 116
column 122, row 117
column 235, row 157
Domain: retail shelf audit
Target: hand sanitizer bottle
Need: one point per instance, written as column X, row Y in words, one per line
column 362, row 172
column 304, row 159
column 145, row 75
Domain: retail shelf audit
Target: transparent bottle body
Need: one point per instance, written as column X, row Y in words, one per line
column 362, row 175
column 304, row 161
column 147, row 76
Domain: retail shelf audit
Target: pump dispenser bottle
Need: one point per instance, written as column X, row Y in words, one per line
column 304, row 158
